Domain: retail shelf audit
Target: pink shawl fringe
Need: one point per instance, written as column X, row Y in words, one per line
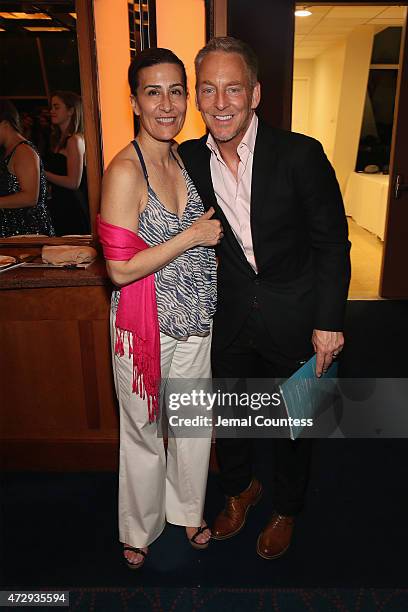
column 136, row 316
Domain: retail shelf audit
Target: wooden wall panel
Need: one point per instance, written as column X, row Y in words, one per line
column 107, row 397
column 43, row 386
column 58, row 407
column 55, row 303
column 89, row 379
column 59, row 455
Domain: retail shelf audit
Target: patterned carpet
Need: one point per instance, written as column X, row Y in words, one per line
column 237, row 600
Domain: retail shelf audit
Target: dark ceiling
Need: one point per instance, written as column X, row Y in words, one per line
column 33, row 64
column 59, row 12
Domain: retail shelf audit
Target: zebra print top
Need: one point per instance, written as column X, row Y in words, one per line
column 186, row 289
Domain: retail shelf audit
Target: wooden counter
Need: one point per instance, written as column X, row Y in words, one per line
column 58, row 406
column 30, row 278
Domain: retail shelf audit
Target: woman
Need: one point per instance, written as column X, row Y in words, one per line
column 65, row 165
column 154, row 230
column 23, row 186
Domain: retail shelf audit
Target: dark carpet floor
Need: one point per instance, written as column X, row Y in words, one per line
column 60, row 529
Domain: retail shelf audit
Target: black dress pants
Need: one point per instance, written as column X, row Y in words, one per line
column 252, row 355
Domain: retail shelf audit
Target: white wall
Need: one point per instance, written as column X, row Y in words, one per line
column 303, row 68
column 335, row 96
column 301, row 104
column 326, row 89
column 351, row 104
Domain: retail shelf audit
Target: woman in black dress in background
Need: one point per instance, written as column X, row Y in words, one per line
column 23, row 186
column 65, row 166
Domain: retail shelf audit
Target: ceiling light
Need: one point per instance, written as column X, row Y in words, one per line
column 73, row 15
column 303, row 12
column 29, row 16
column 44, row 29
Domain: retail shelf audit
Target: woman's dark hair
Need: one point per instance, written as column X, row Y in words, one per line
column 151, row 57
column 76, row 125
column 9, row 113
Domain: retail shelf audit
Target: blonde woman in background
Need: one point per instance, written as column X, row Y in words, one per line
column 65, row 165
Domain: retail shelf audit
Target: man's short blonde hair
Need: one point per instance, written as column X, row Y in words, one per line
column 228, row 44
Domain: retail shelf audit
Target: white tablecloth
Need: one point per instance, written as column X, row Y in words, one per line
column 365, row 201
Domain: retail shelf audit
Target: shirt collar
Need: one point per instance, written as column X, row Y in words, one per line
column 250, row 135
column 247, row 141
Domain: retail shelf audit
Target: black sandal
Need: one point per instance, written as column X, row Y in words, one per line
column 138, row 551
column 197, row 545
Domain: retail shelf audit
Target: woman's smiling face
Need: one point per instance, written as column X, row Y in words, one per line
column 160, row 101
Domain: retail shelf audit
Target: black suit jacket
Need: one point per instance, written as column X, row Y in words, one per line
column 300, row 239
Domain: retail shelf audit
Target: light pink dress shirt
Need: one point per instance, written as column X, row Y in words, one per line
column 234, row 195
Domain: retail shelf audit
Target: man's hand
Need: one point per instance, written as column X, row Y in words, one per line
column 327, row 345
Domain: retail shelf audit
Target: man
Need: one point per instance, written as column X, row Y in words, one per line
column 283, row 271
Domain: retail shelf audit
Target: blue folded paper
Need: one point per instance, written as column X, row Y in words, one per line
column 305, row 396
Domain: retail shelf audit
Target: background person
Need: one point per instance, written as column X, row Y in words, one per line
column 284, row 268
column 23, row 187
column 43, row 132
column 156, row 237
column 65, row 165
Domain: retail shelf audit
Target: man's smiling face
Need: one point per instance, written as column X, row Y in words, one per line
column 226, row 97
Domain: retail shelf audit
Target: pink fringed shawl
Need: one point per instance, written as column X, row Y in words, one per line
column 136, row 315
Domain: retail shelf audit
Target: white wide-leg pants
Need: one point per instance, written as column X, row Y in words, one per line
column 152, row 490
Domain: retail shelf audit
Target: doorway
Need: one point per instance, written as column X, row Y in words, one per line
column 346, row 63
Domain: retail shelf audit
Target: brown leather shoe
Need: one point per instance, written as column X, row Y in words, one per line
column 232, row 519
column 274, row 540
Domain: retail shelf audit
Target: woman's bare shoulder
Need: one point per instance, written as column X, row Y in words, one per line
column 123, row 189
column 24, row 151
column 126, row 170
column 76, row 141
column 23, row 157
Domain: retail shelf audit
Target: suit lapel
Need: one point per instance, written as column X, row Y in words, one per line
column 199, row 166
column 262, row 169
